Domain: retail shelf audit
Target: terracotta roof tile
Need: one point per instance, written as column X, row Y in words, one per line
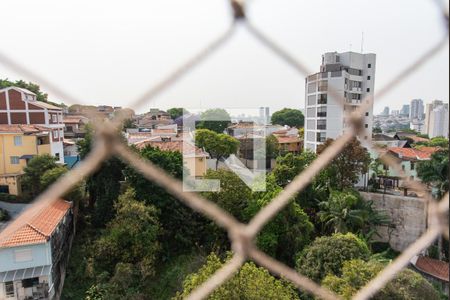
column 409, row 153
column 434, row 267
column 40, row 227
column 22, row 128
column 287, row 139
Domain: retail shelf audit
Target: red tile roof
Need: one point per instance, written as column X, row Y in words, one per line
column 19, row 128
column 39, row 228
column 74, row 119
column 430, row 150
column 409, row 153
column 287, row 139
column 433, row 267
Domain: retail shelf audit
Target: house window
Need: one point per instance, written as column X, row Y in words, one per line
column 54, row 118
column 368, row 77
column 23, row 255
column 403, row 167
column 368, row 89
column 9, row 289
column 57, row 156
column 18, row 141
column 367, row 113
column 369, row 66
column 412, row 165
column 322, row 124
column 15, row 160
column 55, row 134
column 366, row 125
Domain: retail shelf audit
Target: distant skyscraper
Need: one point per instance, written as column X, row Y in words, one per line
column 352, row 77
column 395, row 112
column 436, row 119
column 264, row 115
column 405, row 110
column 416, row 109
column 385, row 111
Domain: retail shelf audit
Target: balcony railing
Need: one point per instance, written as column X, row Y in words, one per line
column 322, row 114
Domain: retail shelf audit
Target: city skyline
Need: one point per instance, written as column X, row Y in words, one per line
column 111, row 57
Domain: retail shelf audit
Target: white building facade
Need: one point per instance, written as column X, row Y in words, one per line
column 436, row 119
column 416, row 109
column 351, row 77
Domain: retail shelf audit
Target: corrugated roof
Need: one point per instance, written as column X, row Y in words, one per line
column 287, row 139
column 40, row 227
column 433, row 267
column 45, row 105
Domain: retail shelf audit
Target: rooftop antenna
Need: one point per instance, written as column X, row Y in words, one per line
column 362, row 42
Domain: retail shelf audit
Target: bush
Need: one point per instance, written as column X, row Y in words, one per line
column 250, row 282
column 356, row 273
column 4, row 215
column 9, row 198
column 327, row 254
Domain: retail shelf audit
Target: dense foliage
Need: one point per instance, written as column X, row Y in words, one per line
column 327, row 254
column 176, row 112
column 182, row 226
column 356, row 273
column 218, row 145
column 216, row 119
column 435, row 171
column 346, row 167
column 288, row 116
column 249, row 283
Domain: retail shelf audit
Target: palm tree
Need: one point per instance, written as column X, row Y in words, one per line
column 435, row 172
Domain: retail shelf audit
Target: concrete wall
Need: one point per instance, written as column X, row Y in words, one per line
column 408, row 214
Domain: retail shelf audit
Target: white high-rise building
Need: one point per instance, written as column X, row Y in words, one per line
column 436, row 119
column 416, row 109
column 351, row 75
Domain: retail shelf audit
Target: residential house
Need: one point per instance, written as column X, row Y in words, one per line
column 410, row 136
column 18, row 144
column 193, row 157
column 74, row 126
column 246, row 127
column 34, row 253
column 407, row 159
column 288, row 141
column 19, row 106
column 249, row 145
column 436, row 271
column 153, row 118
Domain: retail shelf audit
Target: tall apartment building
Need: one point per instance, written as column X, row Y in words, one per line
column 19, row 106
column 416, row 109
column 352, row 77
column 436, row 119
column 386, row 111
column 405, row 110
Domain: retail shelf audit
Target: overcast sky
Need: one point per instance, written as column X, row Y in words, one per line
column 109, row 52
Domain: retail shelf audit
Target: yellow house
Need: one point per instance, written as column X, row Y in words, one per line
column 18, row 144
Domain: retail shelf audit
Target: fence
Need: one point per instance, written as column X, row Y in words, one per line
column 242, row 236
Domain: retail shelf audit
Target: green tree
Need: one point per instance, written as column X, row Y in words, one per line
column 249, row 283
column 51, row 175
column 288, row 116
column 128, row 123
column 288, row 233
column 36, row 167
column 346, row 167
column 272, row 147
column 377, row 130
column 103, row 186
column 407, row 285
column 182, row 226
column 130, row 237
column 438, row 141
column 176, row 112
column 218, row 145
column 216, row 119
column 327, row 254
column 346, row 211
column 435, row 171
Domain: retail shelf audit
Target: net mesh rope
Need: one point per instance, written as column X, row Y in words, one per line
column 242, row 236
